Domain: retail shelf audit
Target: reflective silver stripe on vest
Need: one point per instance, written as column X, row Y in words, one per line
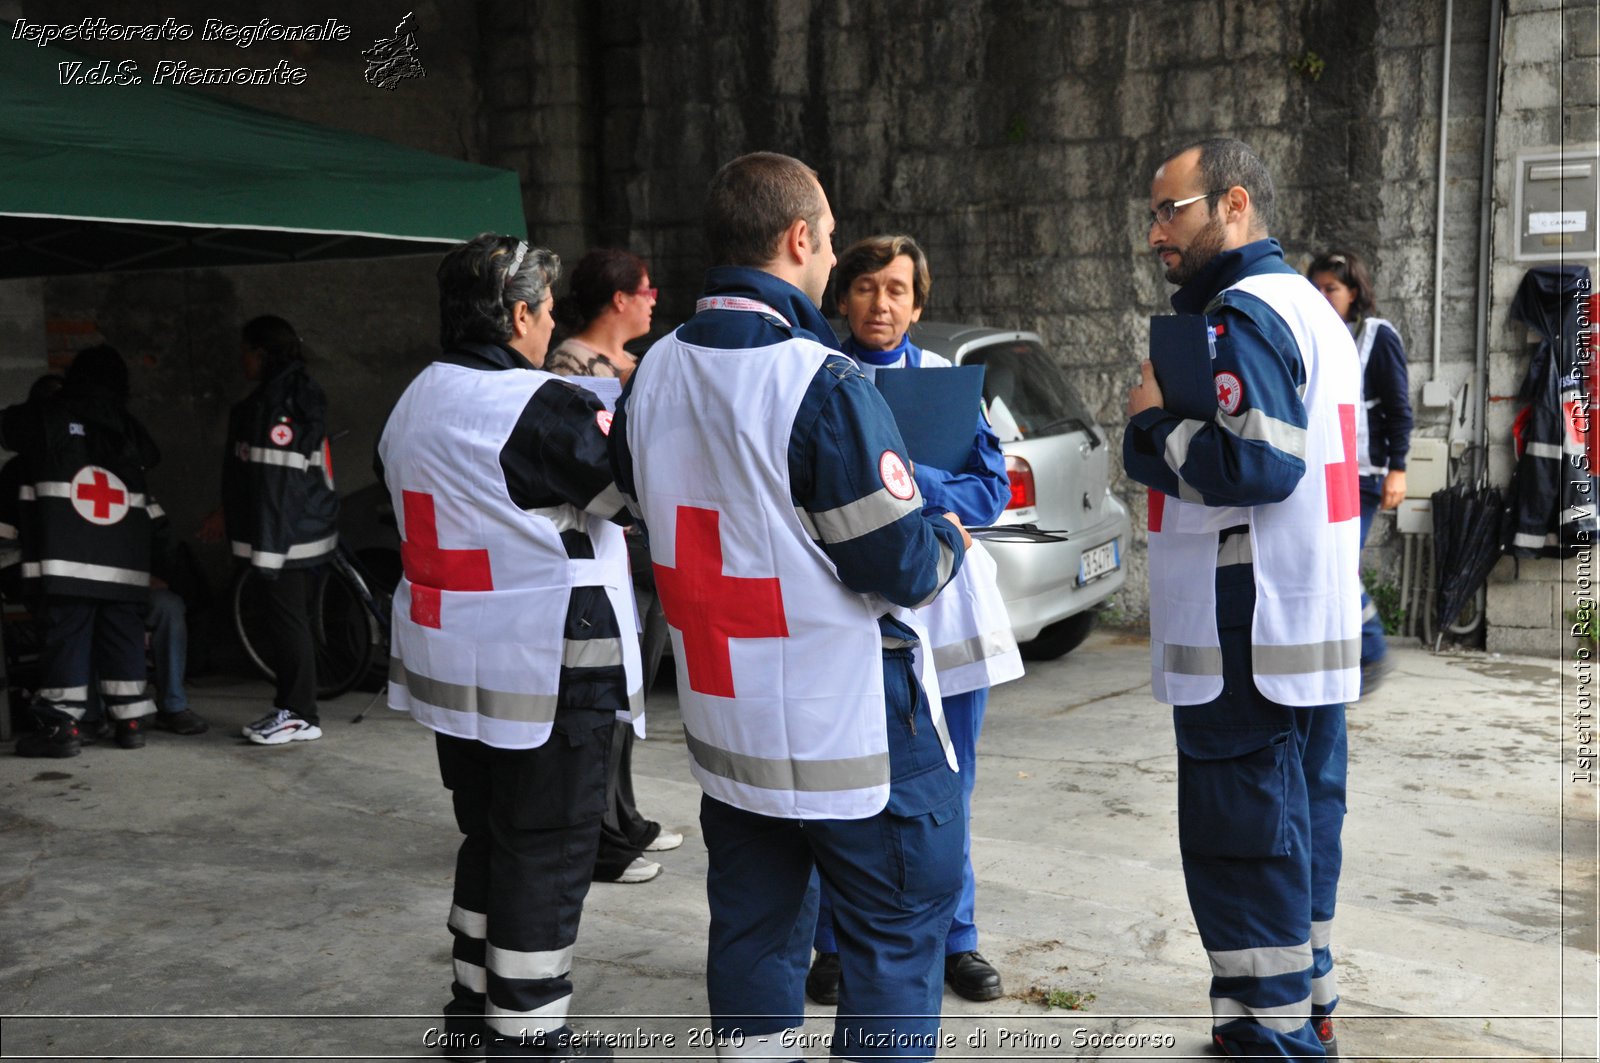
column 1285, row 1018
column 607, row 503
column 864, row 516
column 509, row 963
column 1322, row 933
column 1325, row 989
column 81, row 570
column 1189, row 494
column 551, row 1016
column 468, row 922
column 1306, row 657
column 472, row 976
column 1544, row 450
column 57, row 489
column 1176, row 450
column 1522, row 539
column 1235, row 550
column 947, row 562
column 1264, row 962
column 457, row 697
column 1257, row 426
column 155, row 510
column 288, row 459
column 795, row 776
column 267, row 559
column 1191, row 660
column 970, row 651
column 591, row 653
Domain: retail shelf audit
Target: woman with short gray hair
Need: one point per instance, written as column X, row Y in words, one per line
column 513, row 634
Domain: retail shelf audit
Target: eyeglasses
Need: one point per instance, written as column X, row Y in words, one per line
column 650, row 292
column 1165, row 212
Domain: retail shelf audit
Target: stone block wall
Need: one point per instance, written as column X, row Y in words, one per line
column 1016, row 140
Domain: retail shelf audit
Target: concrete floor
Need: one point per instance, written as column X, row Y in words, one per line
column 205, row 898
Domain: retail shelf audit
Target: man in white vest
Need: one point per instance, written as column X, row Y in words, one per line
column 790, row 542
column 1255, row 608
column 513, row 637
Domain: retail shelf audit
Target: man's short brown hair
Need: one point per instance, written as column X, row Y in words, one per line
column 752, row 202
column 875, row 253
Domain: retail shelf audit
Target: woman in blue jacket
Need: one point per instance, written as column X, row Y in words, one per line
column 1383, row 421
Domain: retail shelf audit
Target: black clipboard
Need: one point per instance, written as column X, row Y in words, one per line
column 936, row 411
column 1181, row 349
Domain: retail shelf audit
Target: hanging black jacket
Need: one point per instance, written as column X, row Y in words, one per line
column 277, row 487
column 1553, row 489
column 83, row 515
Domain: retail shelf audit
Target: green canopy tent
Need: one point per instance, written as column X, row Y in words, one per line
column 117, row 177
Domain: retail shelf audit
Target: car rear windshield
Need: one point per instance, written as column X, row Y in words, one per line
column 1028, row 395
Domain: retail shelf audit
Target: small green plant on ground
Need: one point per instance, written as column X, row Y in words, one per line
column 1386, row 596
column 1066, row 999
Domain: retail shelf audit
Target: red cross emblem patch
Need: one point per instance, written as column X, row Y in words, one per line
column 1230, row 392
column 895, row 478
column 99, row 495
column 281, row 434
column 433, row 569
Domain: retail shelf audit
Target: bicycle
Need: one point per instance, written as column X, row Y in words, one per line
column 349, row 622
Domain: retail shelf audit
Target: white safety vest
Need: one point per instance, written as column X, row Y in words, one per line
column 780, row 666
column 1306, row 631
column 1364, row 341
column 969, row 629
column 479, row 617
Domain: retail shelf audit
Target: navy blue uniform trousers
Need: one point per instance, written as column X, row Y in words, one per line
column 894, row 877
column 1261, row 803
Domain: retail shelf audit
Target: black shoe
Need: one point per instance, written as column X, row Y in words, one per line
column 822, row 981
column 1330, row 1043
column 130, row 734
column 57, row 740
column 972, row 976
column 93, row 729
column 187, row 722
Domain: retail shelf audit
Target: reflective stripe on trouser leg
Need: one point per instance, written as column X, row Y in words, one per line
column 119, row 660
column 1245, row 833
column 763, row 902
column 67, row 632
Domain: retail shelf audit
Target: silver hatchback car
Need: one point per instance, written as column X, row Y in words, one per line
column 1057, row 461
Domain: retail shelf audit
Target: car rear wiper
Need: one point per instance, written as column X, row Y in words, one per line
column 1070, row 422
column 1016, row 533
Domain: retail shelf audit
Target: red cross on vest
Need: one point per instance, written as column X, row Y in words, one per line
column 431, row 569
column 1343, row 481
column 98, row 495
column 709, row 608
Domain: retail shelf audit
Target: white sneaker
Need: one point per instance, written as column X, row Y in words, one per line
column 280, row 726
column 641, row 870
column 667, row 839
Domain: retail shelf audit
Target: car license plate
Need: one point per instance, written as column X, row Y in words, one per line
column 1102, row 560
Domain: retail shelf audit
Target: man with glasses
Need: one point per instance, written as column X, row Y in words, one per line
column 1255, row 609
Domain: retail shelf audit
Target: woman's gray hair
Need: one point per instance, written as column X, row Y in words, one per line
column 482, row 281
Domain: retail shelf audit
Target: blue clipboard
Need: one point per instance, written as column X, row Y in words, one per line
column 936, row 410
column 1181, row 349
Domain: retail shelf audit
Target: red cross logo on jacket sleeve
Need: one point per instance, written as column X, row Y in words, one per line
column 432, row 569
column 709, row 608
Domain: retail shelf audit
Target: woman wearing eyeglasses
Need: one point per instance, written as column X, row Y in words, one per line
column 1383, row 420
column 608, row 304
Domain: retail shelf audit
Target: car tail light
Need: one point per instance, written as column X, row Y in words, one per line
column 1020, row 473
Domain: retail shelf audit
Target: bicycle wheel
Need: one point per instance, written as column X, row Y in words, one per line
column 342, row 631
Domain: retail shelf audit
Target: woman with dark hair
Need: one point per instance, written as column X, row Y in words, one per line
column 608, row 302
column 1383, row 420
column 512, row 634
column 281, row 513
